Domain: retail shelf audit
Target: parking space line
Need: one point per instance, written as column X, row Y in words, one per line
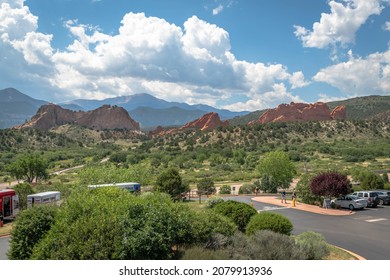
column 270, row 208
column 376, row 220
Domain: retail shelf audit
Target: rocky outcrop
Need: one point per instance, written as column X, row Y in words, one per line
column 301, row 112
column 339, row 113
column 208, row 121
column 106, row 117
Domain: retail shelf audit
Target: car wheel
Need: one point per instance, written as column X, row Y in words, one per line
column 351, row 207
column 381, row 202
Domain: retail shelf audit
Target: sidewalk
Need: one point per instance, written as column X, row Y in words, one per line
column 276, row 200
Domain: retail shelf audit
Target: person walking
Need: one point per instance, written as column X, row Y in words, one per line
column 294, row 198
column 284, row 196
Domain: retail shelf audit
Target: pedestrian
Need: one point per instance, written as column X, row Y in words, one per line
column 284, row 196
column 294, row 198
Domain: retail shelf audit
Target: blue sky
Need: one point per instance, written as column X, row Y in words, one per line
column 238, row 55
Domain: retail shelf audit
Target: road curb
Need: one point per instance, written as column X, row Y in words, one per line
column 360, row 258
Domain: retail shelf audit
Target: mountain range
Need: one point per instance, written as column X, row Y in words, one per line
column 16, row 108
column 146, row 109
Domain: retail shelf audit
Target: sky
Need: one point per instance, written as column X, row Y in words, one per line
column 230, row 54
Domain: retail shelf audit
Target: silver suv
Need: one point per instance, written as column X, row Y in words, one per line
column 371, row 197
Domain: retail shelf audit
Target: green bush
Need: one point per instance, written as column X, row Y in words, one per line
column 269, row 221
column 240, row 213
column 313, row 244
column 214, row 200
column 30, row 227
column 247, row 189
column 88, row 226
column 225, row 189
column 204, row 226
column 111, row 223
column 23, row 190
column 264, row 245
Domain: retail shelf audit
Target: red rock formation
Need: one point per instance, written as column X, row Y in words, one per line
column 339, row 113
column 208, row 121
column 105, row 117
column 301, row 112
column 316, row 112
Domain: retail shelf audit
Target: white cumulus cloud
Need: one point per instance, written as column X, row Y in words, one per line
column 193, row 63
column 359, row 76
column 340, row 25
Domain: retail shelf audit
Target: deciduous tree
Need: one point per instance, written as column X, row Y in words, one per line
column 330, row 184
column 29, row 167
column 170, row 182
column 278, row 166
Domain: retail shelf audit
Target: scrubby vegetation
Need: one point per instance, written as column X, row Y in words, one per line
column 241, row 156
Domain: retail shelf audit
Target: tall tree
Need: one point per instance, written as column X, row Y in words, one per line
column 170, row 182
column 29, row 167
column 278, row 166
column 205, row 186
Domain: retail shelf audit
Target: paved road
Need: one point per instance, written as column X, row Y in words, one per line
column 365, row 232
column 4, row 247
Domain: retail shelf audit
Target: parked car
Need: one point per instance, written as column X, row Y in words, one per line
column 384, row 196
column 350, row 201
column 371, row 197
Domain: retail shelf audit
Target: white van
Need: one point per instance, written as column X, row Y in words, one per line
column 42, row 198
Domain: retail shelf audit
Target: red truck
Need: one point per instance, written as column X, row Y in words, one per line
column 9, row 204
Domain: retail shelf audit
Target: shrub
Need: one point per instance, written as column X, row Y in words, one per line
column 269, row 221
column 303, row 188
column 30, row 227
column 265, row 245
column 203, row 225
column 239, row 212
column 313, row 244
column 200, row 253
column 23, row 190
column 110, row 223
column 225, row 189
column 214, row 200
column 247, row 189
